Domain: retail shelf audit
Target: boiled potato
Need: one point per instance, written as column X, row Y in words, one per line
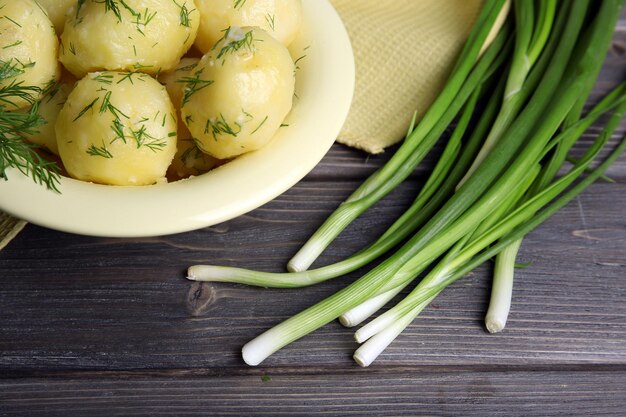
column 239, row 94
column 174, row 80
column 117, row 128
column 28, row 50
column 134, row 35
column 49, row 107
column 189, row 159
column 57, row 10
column 280, row 18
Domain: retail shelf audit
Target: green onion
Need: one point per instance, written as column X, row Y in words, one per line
column 466, row 213
column 410, row 153
column 380, row 333
column 420, row 210
column 527, row 48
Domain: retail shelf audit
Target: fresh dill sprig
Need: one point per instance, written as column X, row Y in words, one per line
column 104, row 78
column 99, row 151
column 141, row 20
column 16, row 43
column 14, row 151
column 79, row 4
column 21, row 155
column 234, row 45
column 187, row 68
column 184, row 14
column 192, row 85
column 86, row 109
column 143, row 138
column 191, row 154
column 8, row 69
column 237, row 4
column 260, row 125
column 271, row 21
column 220, row 126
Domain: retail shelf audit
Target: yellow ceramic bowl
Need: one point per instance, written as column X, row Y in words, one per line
column 324, row 86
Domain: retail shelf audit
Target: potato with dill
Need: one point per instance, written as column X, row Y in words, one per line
column 28, row 52
column 239, row 94
column 57, row 10
column 189, row 159
column 280, row 18
column 130, row 35
column 117, row 128
column 49, row 107
column 174, row 80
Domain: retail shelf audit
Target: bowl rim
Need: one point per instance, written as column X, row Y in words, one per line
column 324, row 90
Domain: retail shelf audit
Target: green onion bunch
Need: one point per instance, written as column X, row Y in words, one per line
column 515, row 98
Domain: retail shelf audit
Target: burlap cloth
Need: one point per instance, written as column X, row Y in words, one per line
column 9, row 228
column 404, row 51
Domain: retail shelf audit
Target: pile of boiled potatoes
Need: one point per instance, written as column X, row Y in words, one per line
column 136, row 92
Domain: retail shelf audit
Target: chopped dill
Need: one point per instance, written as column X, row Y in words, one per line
column 129, row 77
column 234, row 45
column 101, row 151
column 187, row 68
column 259, row 126
column 184, row 14
column 221, row 127
column 86, row 108
column 139, row 66
column 16, row 43
column 193, row 84
column 104, row 78
column 141, row 20
column 79, row 4
column 12, row 21
column 15, row 152
column 106, row 102
column 143, row 138
column 270, row 19
column 9, row 70
column 118, row 129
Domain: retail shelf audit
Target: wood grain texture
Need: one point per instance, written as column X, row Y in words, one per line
column 392, row 393
column 98, row 326
column 124, row 304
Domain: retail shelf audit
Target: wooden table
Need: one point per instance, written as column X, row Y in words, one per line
column 103, row 327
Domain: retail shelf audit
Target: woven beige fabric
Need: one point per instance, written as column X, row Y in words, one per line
column 404, row 51
column 9, row 228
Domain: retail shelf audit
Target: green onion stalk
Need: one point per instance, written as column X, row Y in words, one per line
column 505, row 262
column 529, row 43
column 431, row 197
column 494, row 206
column 413, row 150
column 380, row 332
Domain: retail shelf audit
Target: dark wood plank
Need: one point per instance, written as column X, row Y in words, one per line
column 74, row 302
column 426, row 393
column 92, row 326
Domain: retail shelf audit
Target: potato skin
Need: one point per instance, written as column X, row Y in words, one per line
column 243, row 90
column 28, row 49
column 137, row 35
column 117, row 128
column 280, row 18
